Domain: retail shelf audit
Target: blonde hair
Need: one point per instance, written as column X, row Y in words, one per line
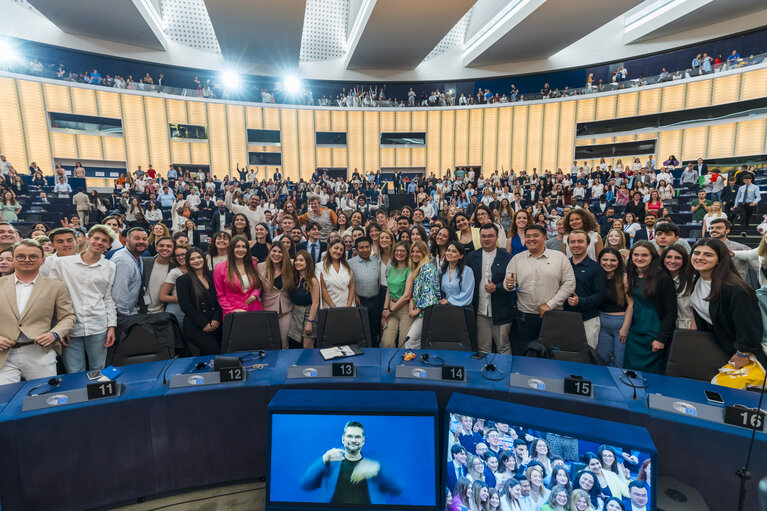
column 622, row 244
column 423, row 248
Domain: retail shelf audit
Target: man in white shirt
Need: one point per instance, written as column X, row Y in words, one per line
column 544, row 279
column 155, row 270
column 5, row 165
column 664, row 175
column 62, row 189
column 63, row 241
column 89, row 277
column 254, row 211
column 29, row 305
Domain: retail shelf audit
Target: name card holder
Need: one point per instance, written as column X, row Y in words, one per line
column 57, row 399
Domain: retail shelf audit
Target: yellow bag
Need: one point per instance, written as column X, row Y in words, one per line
column 746, row 377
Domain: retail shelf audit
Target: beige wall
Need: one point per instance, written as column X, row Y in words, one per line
column 524, row 136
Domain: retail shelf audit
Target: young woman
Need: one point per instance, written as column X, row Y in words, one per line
column 582, row 219
column 395, row 319
column 197, row 299
column 580, row 501
column 158, row 231
column 373, row 231
column 616, row 310
column 475, row 468
column 443, row 236
column 714, row 213
column 540, row 452
column 133, row 208
column 586, row 482
column 654, row 312
column 190, row 228
column 218, row 248
column 237, row 283
column 665, row 190
column 511, row 496
column 342, row 222
column 259, row 248
column 614, row 504
column 479, row 496
column 655, row 204
column 152, row 214
column 457, row 279
column 676, row 262
column 241, row 227
column 609, row 459
column 560, row 476
column 276, row 276
column 756, row 254
column 305, row 296
column 461, row 495
column 336, row 279
column 9, row 209
column 6, row 262
column 724, row 304
column 539, row 494
column 425, row 283
column 631, row 226
column 622, row 195
column 493, row 500
column 557, row 499
column 516, row 239
column 484, row 215
column 505, row 214
column 168, row 294
column 466, row 234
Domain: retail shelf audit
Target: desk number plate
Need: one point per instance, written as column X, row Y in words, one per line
column 744, row 417
column 453, row 373
column 232, row 374
column 343, row 369
column 579, row 387
column 102, row 389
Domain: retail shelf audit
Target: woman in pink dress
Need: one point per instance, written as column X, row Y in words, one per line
column 238, row 285
column 622, row 196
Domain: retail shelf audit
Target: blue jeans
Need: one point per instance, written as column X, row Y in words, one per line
column 73, row 355
column 610, row 345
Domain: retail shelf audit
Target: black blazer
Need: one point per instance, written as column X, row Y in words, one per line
column 196, row 318
column 666, row 307
column 195, row 241
column 736, row 321
column 641, row 234
column 305, row 244
column 637, row 209
column 215, row 220
column 501, row 301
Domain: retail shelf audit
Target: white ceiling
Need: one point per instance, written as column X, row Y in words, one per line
column 376, row 40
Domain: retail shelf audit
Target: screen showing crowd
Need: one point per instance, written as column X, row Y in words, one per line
column 496, row 466
column 354, row 461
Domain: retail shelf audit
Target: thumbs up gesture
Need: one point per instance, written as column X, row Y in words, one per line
column 573, row 300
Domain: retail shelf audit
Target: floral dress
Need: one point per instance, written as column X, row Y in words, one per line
column 426, row 287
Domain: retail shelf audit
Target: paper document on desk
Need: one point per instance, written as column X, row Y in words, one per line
column 340, row 351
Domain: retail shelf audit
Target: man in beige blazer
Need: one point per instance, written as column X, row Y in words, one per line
column 35, row 314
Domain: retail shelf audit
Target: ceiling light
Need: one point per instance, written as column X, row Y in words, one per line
column 8, row 52
column 231, row 80
column 291, row 84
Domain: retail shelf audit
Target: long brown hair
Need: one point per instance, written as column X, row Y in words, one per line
column 686, row 280
column 328, row 258
column 725, row 273
column 513, row 227
column 309, row 271
column 620, row 271
column 231, row 265
column 651, row 275
column 286, row 268
column 197, row 287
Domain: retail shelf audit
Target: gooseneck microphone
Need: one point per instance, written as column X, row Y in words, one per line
column 388, row 368
column 165, row 373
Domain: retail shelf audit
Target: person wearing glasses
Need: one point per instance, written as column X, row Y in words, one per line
column 29, row 305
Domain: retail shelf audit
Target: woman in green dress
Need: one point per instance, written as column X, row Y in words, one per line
column 9, row 208
column 654, row 314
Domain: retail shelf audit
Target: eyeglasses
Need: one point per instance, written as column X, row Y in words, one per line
column 31, row 258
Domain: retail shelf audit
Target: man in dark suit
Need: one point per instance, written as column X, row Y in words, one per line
column 313, row 245
column 639, row 497
column 701, row 168
column 220, row 217
column 456, row 467
column 647, row 232
column 493, row 304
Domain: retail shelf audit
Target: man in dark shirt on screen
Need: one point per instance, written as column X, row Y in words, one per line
column 345, row 476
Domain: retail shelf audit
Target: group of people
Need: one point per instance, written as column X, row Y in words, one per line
column 512, row 247
column 494, row 466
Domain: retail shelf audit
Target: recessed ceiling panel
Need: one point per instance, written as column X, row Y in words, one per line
column 399, row 34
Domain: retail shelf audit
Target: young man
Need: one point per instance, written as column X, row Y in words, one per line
column 719, row 229
column 590, row 286
column 746, row 201
column 700, row 206
column 493, row 304
column 544, row 280
column 326, row 218
column 29, row 305
column 155, row 270
column 667, row 233
column 89, row 277
column 313, row 245
column 64, row 241
column 648, row 231
column 7, row 235
column 83, row 205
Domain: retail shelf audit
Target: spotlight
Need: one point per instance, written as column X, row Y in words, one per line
column 291, row 84
column 231, row 80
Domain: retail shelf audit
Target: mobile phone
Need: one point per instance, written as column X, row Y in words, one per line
column 479, row 355
column 714, row 397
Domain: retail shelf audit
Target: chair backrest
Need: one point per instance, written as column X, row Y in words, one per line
column 137, row 347
column 563, row 333
column 448, row 327
column 696, row 355
column 249, row 331
column 343, row 325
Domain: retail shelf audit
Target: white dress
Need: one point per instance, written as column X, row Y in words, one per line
column 337, row 284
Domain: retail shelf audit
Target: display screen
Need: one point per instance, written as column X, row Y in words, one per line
column 353, row 461
column 263, row 136
column 259, row 158
column 489, row 460
column 403, row 138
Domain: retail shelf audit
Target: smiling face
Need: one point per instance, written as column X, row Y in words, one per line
column 586, row 481
column 704, row 259
column 673, row 261
column 241, row 248
column 641, row 257
column 595, row 466
column 196, row 261
column 353, row 440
